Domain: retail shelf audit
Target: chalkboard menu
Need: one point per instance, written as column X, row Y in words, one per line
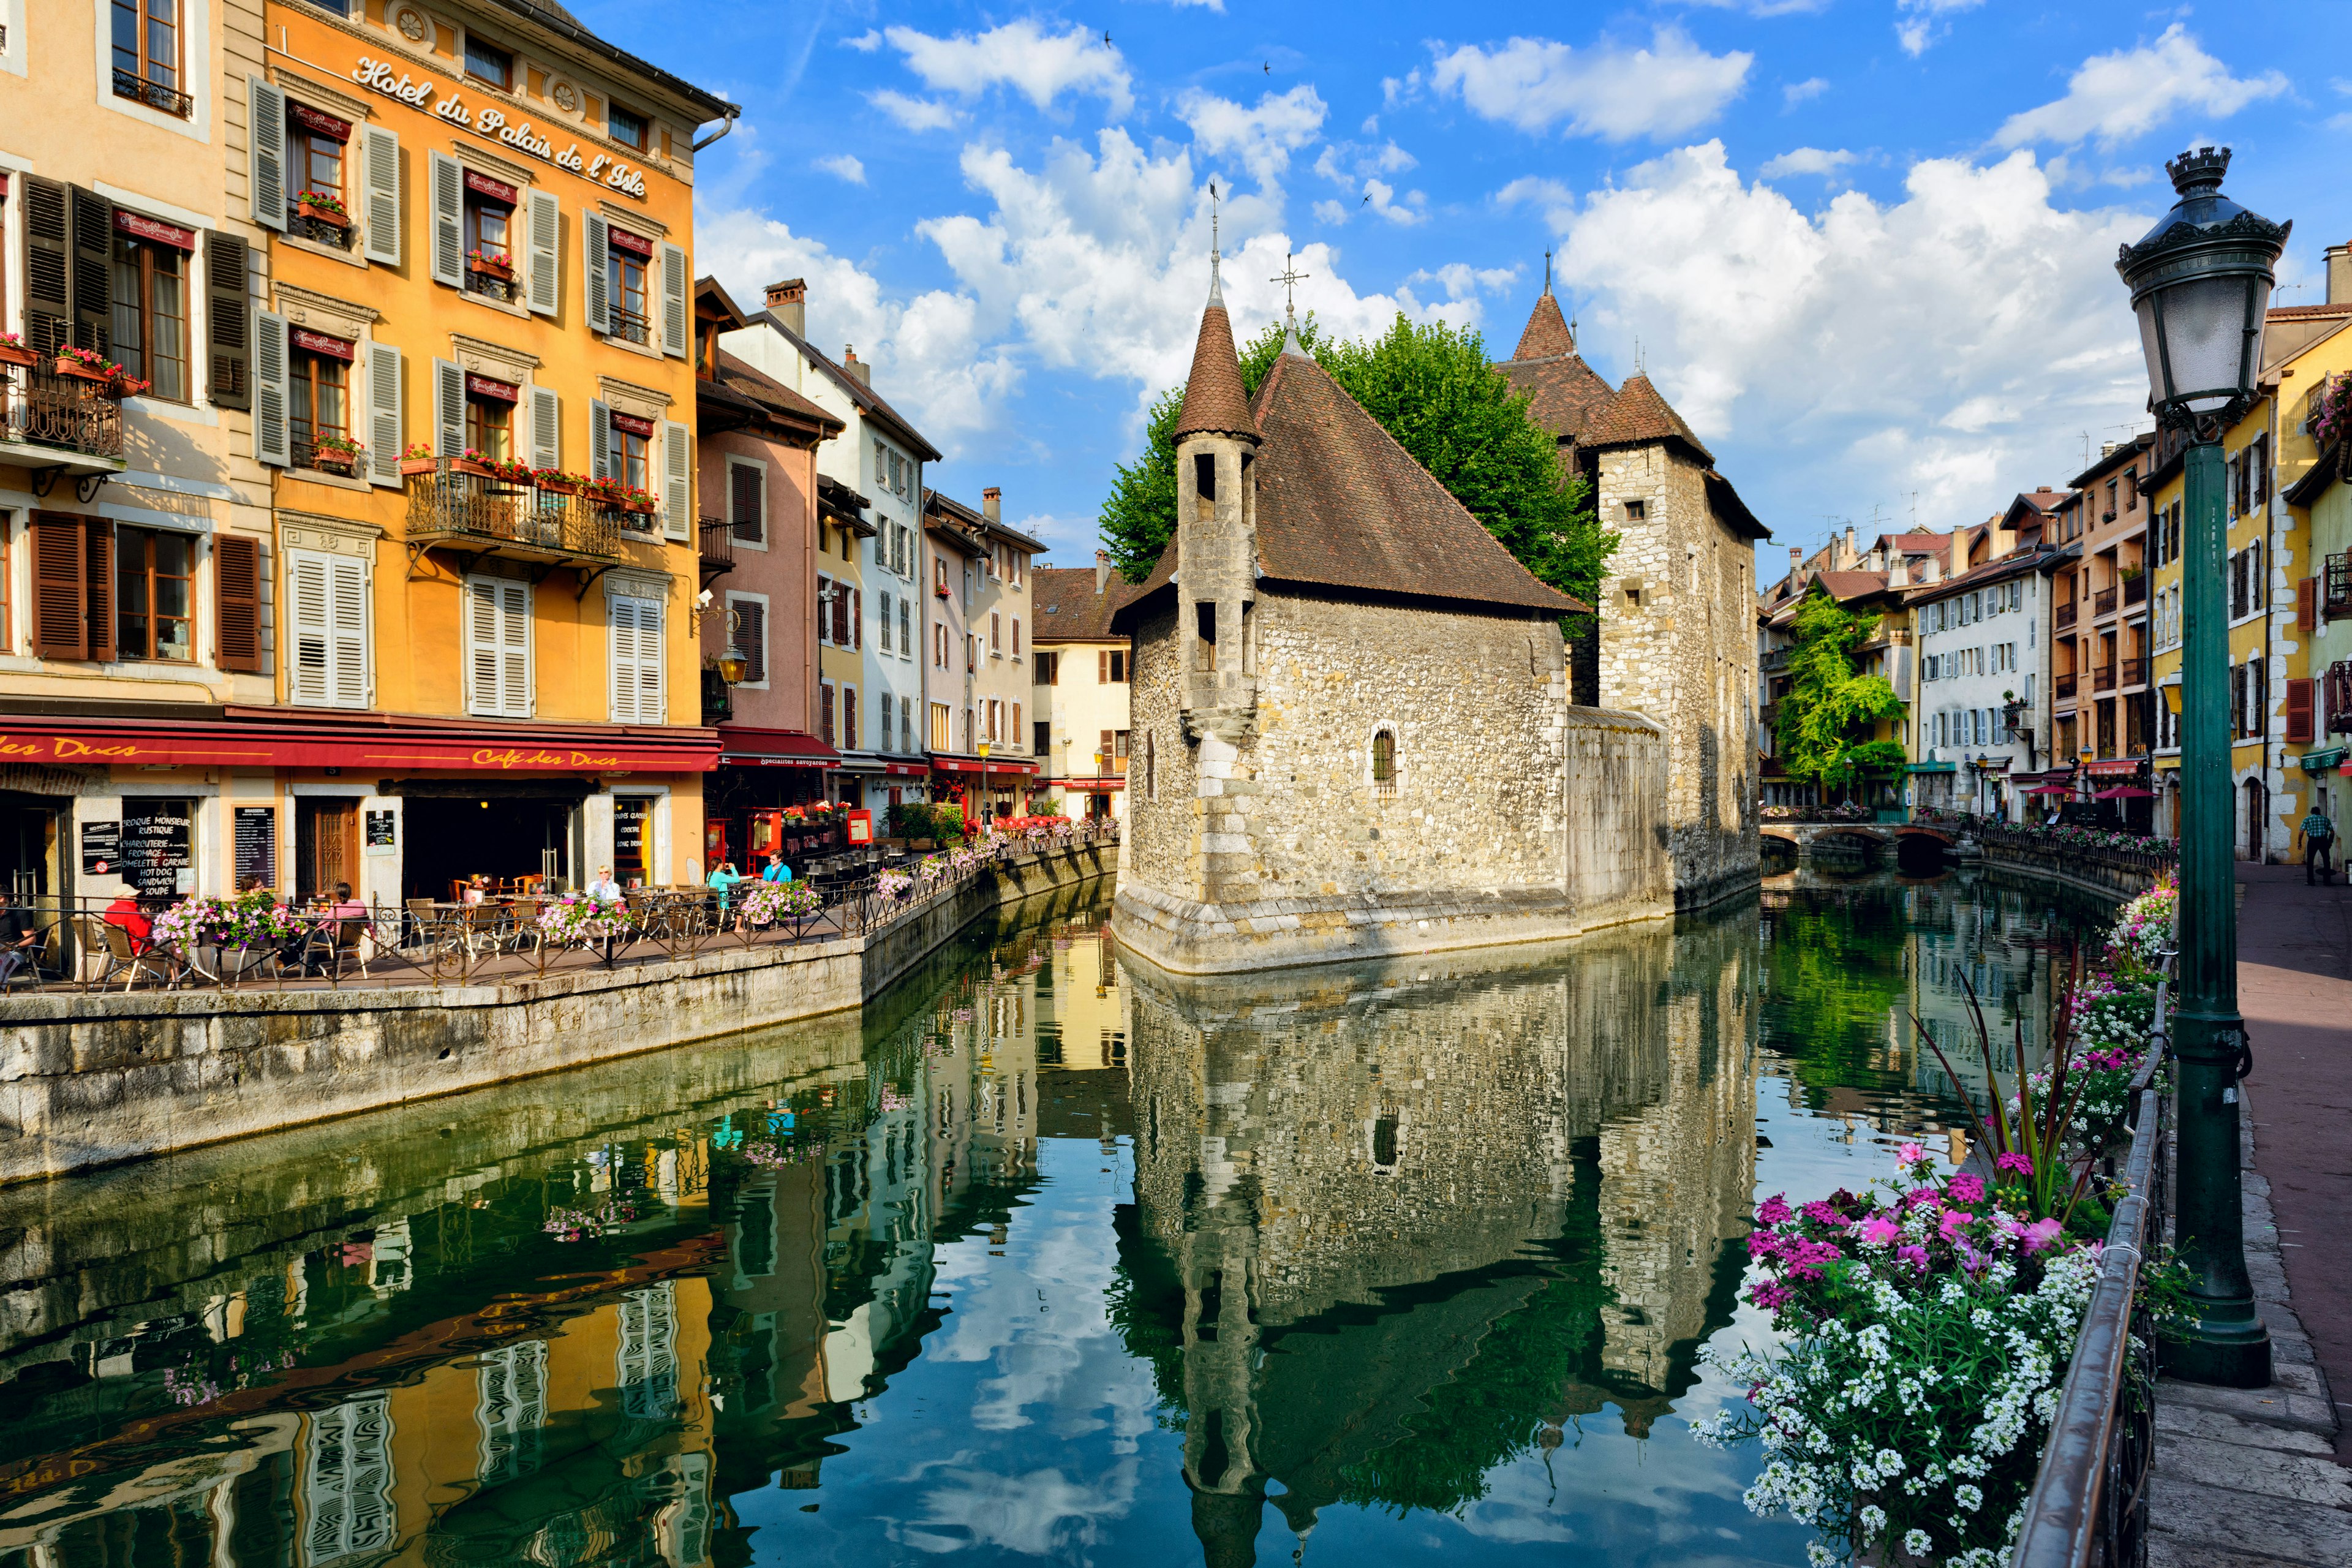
column 101, row 849
column 257, row 847
column 632, row 838
column 159, row 842
column 380, row 831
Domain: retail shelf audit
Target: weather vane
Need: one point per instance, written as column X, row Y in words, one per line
column 1289, row 278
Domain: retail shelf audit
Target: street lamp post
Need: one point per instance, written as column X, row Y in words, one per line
column 2200, row 282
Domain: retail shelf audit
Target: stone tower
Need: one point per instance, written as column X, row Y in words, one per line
column 1216, row 532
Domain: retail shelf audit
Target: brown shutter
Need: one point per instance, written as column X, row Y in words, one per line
column 751, row 638
column 2307, row 603
column 237, row 603
column 857, row 617
column 59, row 627
column 100, row 578
column 228, row 305
column 93, row 269
column 1102, row 667
column 2298, row 711
column 48, row 266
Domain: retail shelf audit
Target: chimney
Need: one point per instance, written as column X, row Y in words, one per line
column 856, row 366
column 992, row 504
column 2340, row 274
column 1898, row 572
column 1931, row 570
column 1852, row 554
column 1102, row 570
column 788, row 301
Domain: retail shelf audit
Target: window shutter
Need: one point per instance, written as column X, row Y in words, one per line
column 749, row 497
column 48, row 266
column 596, row 271
column 823, row 609
column 621, row 616
column 266, row 130
column 380, row 193
column 497, row 646
column 98, row 572
column 751, row 638
column 60, row 623
column 347, row 581
column 653, row 697
column 856, row 617
column 270, row 443
column 228, row 312
column 905, row 637
column 514, row 648
column 843, row 593
column 849, row 717
column 449, row 221
column 310, row 678
column 449, row 408
column 2298, row 710
column 677, row 481
column 600, row 441
column 675, row 336
column 93, row 273
column 546, row 230
column 546, row 428
column 2306, row 605
column 237, row 603
column 1102, row 667
column 387, row 436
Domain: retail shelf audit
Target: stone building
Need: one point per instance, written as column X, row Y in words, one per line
column 1677, row 636
column 1351, row 725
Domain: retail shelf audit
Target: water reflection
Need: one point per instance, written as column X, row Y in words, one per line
column 1041, row 1256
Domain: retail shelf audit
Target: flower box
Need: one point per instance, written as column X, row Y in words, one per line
column 17, row 354
column 411, row 466
column 318, row 213
column 501, row 270
column 340, row 463
column 645, row 506
column 479, row 470
column 80, row 372
column 558, row 487
column 942, row 591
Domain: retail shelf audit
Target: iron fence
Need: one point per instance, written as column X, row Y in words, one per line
column 46, row 409
column 452, row 501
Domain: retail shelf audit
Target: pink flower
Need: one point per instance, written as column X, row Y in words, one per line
column 1819, row 1213
column 1875, row 1232
column 2042, row 1234
column 2020, row 1163
column 1770, row 1295
column 1765, row 1244
column 1954, row 1222
column 1917, row 1257
column 1965, row 1188
column 1911, row 1153
column 1773, row 1210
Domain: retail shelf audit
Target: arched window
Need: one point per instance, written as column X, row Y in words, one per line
column 1384, row 762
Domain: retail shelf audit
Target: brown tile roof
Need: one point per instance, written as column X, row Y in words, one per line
column 1638, row 415
column 1341, row 505
column 766, row 390
column 2291, row 312
column 1065, row 607
column 1214, row 402
column 1547, row 335
column 1999, row 568
column 1561, row 390
column 1844, row 585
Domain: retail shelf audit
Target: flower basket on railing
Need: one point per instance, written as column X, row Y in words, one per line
column 320, row 207
column 577, row 918
column 772, row 903
column 489, row 264
column 87, row 365
column 335, row 455
column 556, row 482
column 14, row 351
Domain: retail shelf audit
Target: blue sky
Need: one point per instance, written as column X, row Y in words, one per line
column 1866, row 247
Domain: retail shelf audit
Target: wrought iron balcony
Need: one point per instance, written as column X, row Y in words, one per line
column 2103, row 602
column 1775, row 658
column 2339, row 587
column 715, row 548
column 486, row 516
column 2103, row 679
column 49, row 421
column 2135, row 672
column 2065, row 616
column 2135, row 589
column 320, row 230
column 630, row 325
column 155, row 95
column 2063, row 686
column 490, row 283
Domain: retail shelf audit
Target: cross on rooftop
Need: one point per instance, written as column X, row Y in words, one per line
column 1289, row 278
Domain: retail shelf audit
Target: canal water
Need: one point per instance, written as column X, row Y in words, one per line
column 1047, row 1257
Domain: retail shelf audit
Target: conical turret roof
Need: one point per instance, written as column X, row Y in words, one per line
column 1546, row 332
column 1214, row 402
column 1562, row 390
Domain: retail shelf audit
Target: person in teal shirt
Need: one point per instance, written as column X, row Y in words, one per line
column 2318, row 847
column 777, row 870
column 723, row 878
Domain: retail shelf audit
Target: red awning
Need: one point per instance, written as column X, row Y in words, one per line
column 372, row 742
column 774, row 749
column 904, row 770
column 2114, row 767
column 1088, row 783
column 974, row 765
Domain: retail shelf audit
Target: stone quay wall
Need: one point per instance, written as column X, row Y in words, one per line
column 96, row 1079
column 1512, row 816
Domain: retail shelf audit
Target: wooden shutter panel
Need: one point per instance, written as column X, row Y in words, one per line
column 266, row 130
column 309, row 678
column 237, row 603
column 621, row 618
column 751, row 638
column 93, row 270
column 675, row 336
column 60, row 627
column 600, row 440
column 449, row 408
column 228, row 312
column 651, row 699
column 857, row 616
column 482, row 644
column 546, row 231
column 514, row 648
column 449, row 221
column 49, row 265
column 677, row 481
column 380, row 187
column 98, row 575
column 2307, row 603
column 2298, row 710
column 596, row 271
column 348, row 584
column 271, row 441
column 546, row 428
column 748, row 514
column 387, row 434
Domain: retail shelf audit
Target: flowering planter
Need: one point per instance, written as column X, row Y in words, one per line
column 14, row 353
column 479, row 470
column 340, row 463
column 558, row 487
column 501, row 270
column 316, row 213
column 411, row 466
column 642, row 507
column 80, row 372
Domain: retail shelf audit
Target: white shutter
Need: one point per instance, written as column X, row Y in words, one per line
column 677, row 487
column 514, row 648
column 620, row 617
column 546, row 229
column 386, row 437
column 596, row 271
column 449, row 221
column 449, row 408
column 639, row 693
column 498, row 647
column 380, row 182
column 674, row 323
column 348, row 585
column 269, row 374
column 546, row 428
column 266, row 130
column 600, row 440
column 310, row 673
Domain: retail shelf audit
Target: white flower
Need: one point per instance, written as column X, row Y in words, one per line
column 1916, row 1542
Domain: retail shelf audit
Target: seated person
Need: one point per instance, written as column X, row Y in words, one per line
column 723, row 878
column 20, row 935
column 125, row 912
column 602, row 889
column 777, row 870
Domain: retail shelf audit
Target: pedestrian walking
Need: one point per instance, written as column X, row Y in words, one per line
column 2318, row 847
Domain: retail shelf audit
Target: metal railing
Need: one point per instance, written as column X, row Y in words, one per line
column 715, row 546
column 500, row 286
column 43, row 408
column 1774, row 659
column 2339, row 587
column 2088, row 1508
column 319, row 230
column 2103, row 678
column 2065, row 615
column 2135, row 589
column 630, row 325
column 2135, row 672
column 2062, row 685
column 447, row 503
column 155, row 95
column 2102, row 602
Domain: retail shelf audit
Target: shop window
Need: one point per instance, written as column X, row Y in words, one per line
column 147, row 54
column 631, row 259
column 627, row 127
column 152, row 574
column 151, row 308
column 484, row 61
column 317, row 405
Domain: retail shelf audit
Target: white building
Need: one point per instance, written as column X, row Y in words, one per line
column 1079, row 711
column 1983, row 684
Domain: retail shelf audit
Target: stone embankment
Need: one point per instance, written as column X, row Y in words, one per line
column 88, row 1081
column 2119, row 873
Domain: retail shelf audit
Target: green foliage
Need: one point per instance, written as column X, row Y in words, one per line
column 911, row 819
column 1824, row 723
column 1433, row 389
column 947, row 822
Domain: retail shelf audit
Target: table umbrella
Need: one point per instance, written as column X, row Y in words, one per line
column 2052, row 789
column 2125, row 791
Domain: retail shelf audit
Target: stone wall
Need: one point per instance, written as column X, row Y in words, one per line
column 1679, row 644
column 1512, row 816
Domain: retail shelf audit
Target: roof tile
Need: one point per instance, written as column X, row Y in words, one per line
column 1637, row 415
column 1214, row 402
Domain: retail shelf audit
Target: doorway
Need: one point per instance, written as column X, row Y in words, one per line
column 2255, row 813
column 326, row 844
column 32, row 837
column 499, row 837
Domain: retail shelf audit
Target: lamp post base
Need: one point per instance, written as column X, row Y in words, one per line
column 2223, row 1350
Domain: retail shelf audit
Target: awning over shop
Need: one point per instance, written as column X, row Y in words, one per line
column 904, row 770
column 1091, row 785
column 774, row 749
column 375, row 742
column 2321, row 761
column 991, row 766
column 1930, row 767
column 2115, row 767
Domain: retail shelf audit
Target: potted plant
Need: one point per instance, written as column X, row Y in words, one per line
column 514, row 473
column 86, row 364
column 122, row 384
column 609, row 493
column 472, row 461
column 491, row 264
column 322, row 206
column 638, row 501
column 335, row 455
column 14, row 351
column 418, row 460
column 555, row 481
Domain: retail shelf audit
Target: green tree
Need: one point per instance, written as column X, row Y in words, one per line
column 1824, row 723
column 1433, row 389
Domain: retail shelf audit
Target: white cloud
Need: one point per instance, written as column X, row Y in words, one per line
column 1606, row 91
column 846, row 166
column 1806, row 161
column 1462, row 281
column 866, row 43
column 1396, row 90
column 1332, row 214
column 1953, row 341
column 1919, row 23
column 1264, row 138
column 1549, row 197
column 914, row 113
column 1381, row 198
column 2118, row 96
column 1023, row 56
column 1804, row 91
column 1348, row 161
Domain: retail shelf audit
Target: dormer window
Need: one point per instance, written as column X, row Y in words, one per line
column 627, row 127
column 484, row 61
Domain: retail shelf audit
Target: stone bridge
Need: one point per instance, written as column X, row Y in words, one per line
column 1869, row 838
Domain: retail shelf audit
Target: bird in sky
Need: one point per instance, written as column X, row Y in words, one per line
column 1269, row 67
column 1106, row 37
